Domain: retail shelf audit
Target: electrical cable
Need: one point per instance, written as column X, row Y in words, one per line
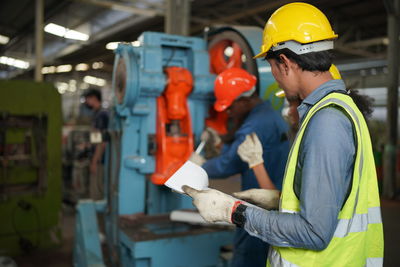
column 171, row 57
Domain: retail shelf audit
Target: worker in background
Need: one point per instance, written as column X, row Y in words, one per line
column 100, row 119
column 235, row 92
column 329, row 210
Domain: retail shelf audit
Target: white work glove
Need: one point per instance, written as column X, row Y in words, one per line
column 213, row 205
column 197, row 159
column 251, row 150
column 264, row 198
column 209, row 134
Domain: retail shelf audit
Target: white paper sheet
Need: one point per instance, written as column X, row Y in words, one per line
column 189, row 174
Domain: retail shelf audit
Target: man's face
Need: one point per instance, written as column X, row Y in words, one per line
column 293, row 114
column 238, row 108
column 91, row 102
column 285, row 78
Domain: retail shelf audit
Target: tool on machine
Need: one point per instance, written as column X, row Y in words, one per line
column 200, row 147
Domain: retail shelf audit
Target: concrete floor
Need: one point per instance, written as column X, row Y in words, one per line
column 58, row 257
column 62, row 257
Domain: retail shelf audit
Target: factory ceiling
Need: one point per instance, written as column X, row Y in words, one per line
column 361, row 25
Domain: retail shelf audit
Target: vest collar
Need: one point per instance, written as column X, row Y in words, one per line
column 318, row 94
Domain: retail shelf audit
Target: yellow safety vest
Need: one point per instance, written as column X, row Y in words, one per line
column 358, row 238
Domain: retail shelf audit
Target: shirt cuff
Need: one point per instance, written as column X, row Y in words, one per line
column 255, row 217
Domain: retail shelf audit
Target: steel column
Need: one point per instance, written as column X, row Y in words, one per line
column 39, row 40
column 177, row 17
column 389, row 181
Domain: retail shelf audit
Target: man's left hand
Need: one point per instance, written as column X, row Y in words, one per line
column 251, row 150
column 213, row 205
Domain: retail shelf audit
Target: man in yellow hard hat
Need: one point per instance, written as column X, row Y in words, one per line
column 329, row 210
column 235, row 93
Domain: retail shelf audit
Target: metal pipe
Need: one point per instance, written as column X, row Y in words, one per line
column 389, row 181
column 39, row 40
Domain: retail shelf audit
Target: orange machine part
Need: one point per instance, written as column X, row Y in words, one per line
column 219, row 62
column 173, row 148
column 217, row 121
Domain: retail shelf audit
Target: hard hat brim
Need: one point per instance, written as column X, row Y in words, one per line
column 280, row 94
column 218, row 106
column 260, row 55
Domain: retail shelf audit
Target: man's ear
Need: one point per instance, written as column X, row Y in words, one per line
column 286, row 64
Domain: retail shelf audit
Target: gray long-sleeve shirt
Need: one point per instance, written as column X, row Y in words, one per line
column 322, row 181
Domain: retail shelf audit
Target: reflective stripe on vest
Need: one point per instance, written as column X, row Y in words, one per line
column 359, row 222
column 360, row 215
column 274, row 259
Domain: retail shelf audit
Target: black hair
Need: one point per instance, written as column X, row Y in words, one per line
column 313, row 61
column 93, row 92
column 363, row 102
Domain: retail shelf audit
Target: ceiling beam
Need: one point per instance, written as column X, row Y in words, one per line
column 357, row 52
column 125, row 8
column 369, row 42
column 243, row 13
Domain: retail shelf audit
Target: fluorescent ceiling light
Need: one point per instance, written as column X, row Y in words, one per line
column 49, row 69
column 93, row 80
column 45, row 70
column 72, row 85
column 64, row 68
column 84, row 86
column 82, row 67
column 4, row 39
column 136, row 43
column 55, row 29
column 75, row 35
column 65, row 32
column 97, row 65
column 14, row 62
column 114, row 45
column 62, row 87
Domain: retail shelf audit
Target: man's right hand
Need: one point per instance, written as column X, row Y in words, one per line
column 213, row 205
column 210, row 135
column 197, row 159
column 264, row 198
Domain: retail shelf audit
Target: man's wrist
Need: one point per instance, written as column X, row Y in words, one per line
column 238, row 217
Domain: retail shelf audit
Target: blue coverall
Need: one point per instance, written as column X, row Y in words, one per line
column 272, row 130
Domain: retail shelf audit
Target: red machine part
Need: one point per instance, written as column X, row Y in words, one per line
column 217, row 121
column 174, row 134
column 218, row 63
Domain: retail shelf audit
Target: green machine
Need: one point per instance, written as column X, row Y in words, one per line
column 30, row 167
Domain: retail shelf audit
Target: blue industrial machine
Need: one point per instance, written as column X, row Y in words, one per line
column 163, row 91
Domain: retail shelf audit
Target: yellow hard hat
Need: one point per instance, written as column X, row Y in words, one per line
column 333, row 70
column 299, row 22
